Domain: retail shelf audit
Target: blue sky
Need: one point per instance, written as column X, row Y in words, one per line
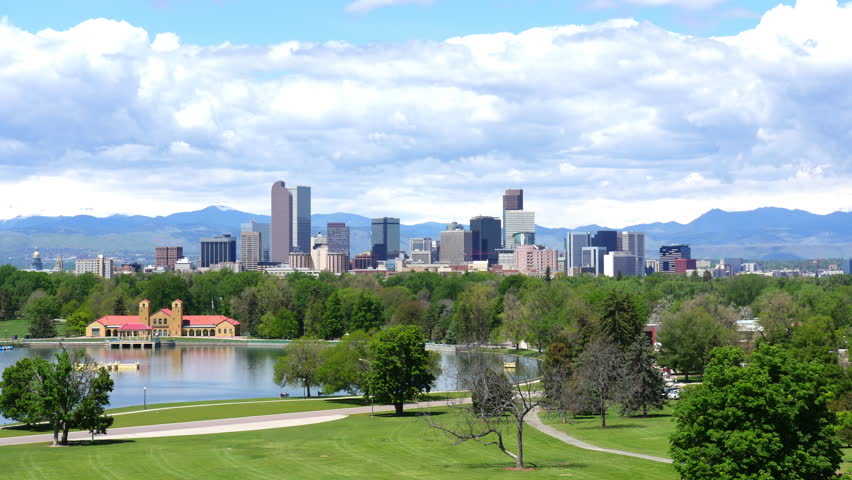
column 272, row 21
column 614, row 112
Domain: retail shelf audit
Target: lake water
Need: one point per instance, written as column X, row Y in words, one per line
column 187, row 373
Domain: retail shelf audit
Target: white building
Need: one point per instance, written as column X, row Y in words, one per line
column 101, row 267
column 624, row 263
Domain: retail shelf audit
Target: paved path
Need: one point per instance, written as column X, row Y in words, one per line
column 534, row 421
column 260, row 422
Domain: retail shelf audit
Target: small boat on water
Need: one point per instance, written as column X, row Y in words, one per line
column 5, row 348
column 510, row 365
column 113, row 366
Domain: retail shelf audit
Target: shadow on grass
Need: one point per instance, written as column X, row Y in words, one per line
column 96, row 443
column 408, row 414
column 355, row 402
column 41, row 428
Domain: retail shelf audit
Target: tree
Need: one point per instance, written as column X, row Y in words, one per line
column 558, row 371
column 334, row 320
column 643, row 386
column 619, row 318
column 473, row 317
column 687, row 337
column 76, row 324
column 400, row 367
column 271, row 326
column 368, row 313
column 344, row 366
column 499, row 406
column 246, row 310
column 299, row 365
column 41, row 312
column 118, row 306
column 513, row 326
column 598, row 376
column 764, row 417
column 70, row 393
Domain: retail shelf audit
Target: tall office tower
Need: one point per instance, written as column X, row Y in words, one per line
column 263, row 230
column 218, row 250
column 670, row 253
column 456, row 246
column 593, row 259
column 281, row 229
column 384, row 237
column 167, row 257
column 338, row 238
column 574, row 244
column 250, row 250
column 733, row 264
column 516, row 221
column 607, row 239
column 512, row 200
column 634, row 244
column 301, row 218
column 319, row 252
column 486, row 238
column 420, row 250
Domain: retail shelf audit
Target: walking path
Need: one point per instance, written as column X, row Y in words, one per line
column 534, row 421
column 240, row 424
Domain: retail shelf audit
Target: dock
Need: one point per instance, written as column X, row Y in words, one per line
column 137, row 343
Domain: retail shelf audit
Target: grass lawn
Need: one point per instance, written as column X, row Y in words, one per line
column 21, row 327
column 356, row 447
column 633, row 434
column 242, row 408
column 847, row 460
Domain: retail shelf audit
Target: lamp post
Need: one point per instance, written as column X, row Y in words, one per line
column 371, row 395
column 145, row 397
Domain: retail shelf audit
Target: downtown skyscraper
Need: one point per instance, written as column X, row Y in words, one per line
column 513, row 199
column 281, row 229
column 301, row 218
column 384, row 238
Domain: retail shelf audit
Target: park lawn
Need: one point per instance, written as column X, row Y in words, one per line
column 633, row 434
column 21, row 328
column 846, row 466
column 356, row 447
column 248, row 408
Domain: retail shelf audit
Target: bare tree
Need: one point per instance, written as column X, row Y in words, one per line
column 557, row 377
column 598, row 376
column 499, row 405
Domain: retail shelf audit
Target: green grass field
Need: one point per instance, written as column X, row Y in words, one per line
column 19, row 327
column 241, row 408
column 633, row 434
column 356, row 447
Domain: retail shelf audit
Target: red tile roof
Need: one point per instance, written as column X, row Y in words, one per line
column 207, row 320
column 116, row 320
column 136, row 326
column 168, row 311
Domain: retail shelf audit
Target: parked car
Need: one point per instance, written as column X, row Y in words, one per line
column 673, row 393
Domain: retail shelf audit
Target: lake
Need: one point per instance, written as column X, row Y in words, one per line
column 187, row 373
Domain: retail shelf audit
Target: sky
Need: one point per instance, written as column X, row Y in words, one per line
column 613, row 112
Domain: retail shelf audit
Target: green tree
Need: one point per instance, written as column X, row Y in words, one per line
column 643, row 386
column 334, row 320
column 764, row 417
column 400, row 367
column 344, row 366
column 118, row 306
column 368, row 313
column 473, row 316
column 41, row 312
column 299, row 365
column 70, row 393
column 271, row 326
column 619, row 319
column 687, row 337
column 76, row 324
column 513, row 326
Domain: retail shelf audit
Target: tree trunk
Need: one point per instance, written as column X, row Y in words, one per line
column 519, row 460
column 686, row 376
column 56, row 435
column 397, row 406
column 65, row 428
column 644, row 410
column 603, row 417
column 308, row 390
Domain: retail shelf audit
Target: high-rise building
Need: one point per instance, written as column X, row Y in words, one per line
column 250, row 250
column 516, row 221
column 574, row 244
column 167, row 257
column 607, row 239
column 633, row 243
column 420, row 250
column 513, row 199
column 263, row 230
column 670, row 253
column 486, row 238
column 281, row 228
column 301, row 218
column 218, row 250
column 101, row 267
column 384, row 238
column 456, row 246
column 681, row 265
column 535, row 259
column 733, row 265
column 338, row 238
column 624, row 263
column 593, row 258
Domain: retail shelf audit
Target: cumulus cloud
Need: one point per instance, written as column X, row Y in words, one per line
column 612, row 123
column 365, row 6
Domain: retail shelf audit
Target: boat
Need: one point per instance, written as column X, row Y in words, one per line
column 5, row 348
column 114, row 366
column 510, row 365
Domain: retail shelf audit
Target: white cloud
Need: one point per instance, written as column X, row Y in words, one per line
column 365, row 6
column 611, row 123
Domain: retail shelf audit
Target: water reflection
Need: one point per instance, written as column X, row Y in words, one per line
column 198, row 372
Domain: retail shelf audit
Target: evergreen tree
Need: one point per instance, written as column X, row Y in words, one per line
column 333, row 322
column 643, row 386
column 620, row 320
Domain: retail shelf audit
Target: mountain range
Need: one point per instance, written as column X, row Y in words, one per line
column 764, row 233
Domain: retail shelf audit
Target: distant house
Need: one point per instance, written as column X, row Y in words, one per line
column 166, row 323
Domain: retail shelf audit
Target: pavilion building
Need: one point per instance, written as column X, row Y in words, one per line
column 164, row 323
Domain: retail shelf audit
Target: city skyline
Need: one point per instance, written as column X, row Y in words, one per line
column 628, row 140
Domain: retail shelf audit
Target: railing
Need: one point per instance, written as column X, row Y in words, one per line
column 132, row 339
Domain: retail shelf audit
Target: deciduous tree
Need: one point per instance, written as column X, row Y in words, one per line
column 400, row 366
column 598, row 376
column 299, row 365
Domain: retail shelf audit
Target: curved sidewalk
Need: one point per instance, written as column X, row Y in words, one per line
column 534, row 421
column 205, row 427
